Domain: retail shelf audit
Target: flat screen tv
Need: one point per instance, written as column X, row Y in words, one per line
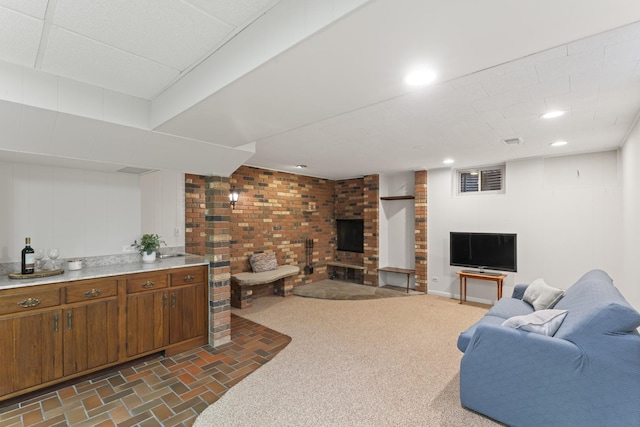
column 350, row 235
column 492, row 251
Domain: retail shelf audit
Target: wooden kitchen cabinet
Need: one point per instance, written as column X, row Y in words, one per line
column 90, row 325
column 52, row 333
column 30, row 350
column 147, row 322
column 169, row 312
column 188, row 315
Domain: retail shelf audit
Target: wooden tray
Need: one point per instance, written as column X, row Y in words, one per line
column 35, row 275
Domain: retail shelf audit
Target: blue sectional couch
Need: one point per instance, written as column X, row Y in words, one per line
column 587, row 374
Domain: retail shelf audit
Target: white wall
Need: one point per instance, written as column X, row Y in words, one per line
column 85, row 213
column 396, row 233
column 163, row 206
column 566, row 211
column 630, row 155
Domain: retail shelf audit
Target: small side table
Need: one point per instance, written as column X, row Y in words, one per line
column 498, row 278
column 407, row 271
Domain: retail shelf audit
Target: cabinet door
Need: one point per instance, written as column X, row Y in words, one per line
column 90, row 335
column 188, row 312
column 147, row 322
column 30, row 350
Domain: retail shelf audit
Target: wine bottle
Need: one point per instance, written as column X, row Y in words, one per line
column 28, row 260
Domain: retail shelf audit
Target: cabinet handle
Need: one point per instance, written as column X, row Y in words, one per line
column 173, row 300
column 69, row 320
column 148, row 284
column 55, row 323
column 188, row 278
column 164, row 300
column 93, row 293
column 29, row 302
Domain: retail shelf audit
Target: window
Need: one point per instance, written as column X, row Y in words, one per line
column 481, row 180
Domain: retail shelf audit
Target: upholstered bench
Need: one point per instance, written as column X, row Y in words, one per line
column 242, row 283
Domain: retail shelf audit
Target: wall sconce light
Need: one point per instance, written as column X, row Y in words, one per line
column 233, row 197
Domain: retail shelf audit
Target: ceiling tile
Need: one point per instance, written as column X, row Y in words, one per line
column 168, row 32
column 79, row 58
column 234, row 12
column 572, row 64
column 34, row 8
column 19, row 37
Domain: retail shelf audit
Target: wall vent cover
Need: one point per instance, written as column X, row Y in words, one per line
column 512, row 141
column 132, row 170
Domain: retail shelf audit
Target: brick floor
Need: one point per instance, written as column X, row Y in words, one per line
column 160, row 391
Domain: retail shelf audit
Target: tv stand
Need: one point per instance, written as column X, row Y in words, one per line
column 485, row 273
column 469, row 274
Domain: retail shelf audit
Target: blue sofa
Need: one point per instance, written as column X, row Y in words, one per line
column 587, row 374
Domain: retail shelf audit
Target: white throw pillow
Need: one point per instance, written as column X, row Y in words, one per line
column 545, row 322
column 542, row 296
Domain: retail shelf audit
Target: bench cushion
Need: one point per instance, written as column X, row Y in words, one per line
column 249, row 279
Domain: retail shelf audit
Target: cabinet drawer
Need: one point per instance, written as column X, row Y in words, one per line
column 91, row 289
column 146, row 282
column 186, row 276
column 31, row 299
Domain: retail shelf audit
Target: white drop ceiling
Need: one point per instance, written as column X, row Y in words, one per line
column 203, row 86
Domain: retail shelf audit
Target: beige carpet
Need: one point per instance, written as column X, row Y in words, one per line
column 381, row 362
column 339, row 289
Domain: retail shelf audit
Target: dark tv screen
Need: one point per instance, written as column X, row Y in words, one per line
column 492, row 251
column 350, row 235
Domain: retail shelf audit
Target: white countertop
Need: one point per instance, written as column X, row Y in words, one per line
column 105, row 271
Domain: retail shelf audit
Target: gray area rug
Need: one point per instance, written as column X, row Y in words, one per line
column 381, row 362
column 340, row 290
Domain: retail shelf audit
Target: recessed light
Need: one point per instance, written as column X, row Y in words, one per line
column 301, row 166
column 558, row 143
column 448, row 161
column 553, row 114
column 420, row 77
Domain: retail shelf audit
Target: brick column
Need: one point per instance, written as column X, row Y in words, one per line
column 371, row 205
column 217, row 247
column 421, row 230
column 195, row 207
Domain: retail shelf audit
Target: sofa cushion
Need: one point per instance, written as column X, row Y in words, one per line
column 545, row 322
column 595, row 307
column 465, row 337
column 509, row 307
column 263, row 262
column 542, row 296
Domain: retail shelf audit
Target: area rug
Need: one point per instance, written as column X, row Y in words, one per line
column 341, row 290
column 381, row 362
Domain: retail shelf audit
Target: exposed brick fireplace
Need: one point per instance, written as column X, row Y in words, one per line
column 277, row 212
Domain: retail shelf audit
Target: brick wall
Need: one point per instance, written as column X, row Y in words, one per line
column 194, row 210
column 371, row 243
column 217, row 253
column 421, row 230
column 349, row 204
column 276, row 212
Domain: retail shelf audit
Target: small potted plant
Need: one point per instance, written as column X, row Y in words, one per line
column 149, row 244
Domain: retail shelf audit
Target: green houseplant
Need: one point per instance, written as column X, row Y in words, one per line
column 149, row 244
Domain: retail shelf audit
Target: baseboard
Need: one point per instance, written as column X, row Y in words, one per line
column 457, row 297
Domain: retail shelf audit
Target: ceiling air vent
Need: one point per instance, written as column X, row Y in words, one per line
column 512, row 141
column 132, row 170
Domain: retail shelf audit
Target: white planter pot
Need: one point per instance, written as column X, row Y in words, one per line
column 148, row 258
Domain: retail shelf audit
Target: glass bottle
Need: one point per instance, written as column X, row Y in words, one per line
column 28, row 258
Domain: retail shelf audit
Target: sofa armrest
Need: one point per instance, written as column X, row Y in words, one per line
column 518, row 291
column 524, row 378
column 514, row 376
